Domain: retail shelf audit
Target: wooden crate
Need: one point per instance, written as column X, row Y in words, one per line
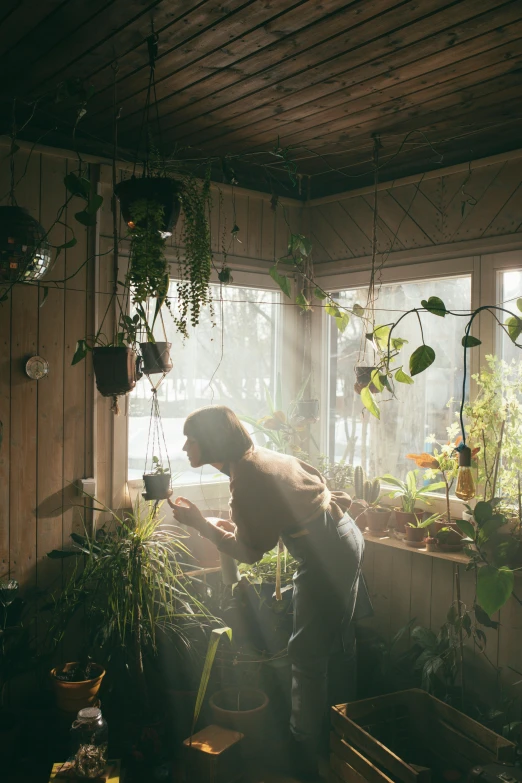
column 409, row 737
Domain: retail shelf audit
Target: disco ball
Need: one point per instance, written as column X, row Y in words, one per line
column 24, row 253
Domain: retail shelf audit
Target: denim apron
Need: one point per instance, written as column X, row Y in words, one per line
column 329, row 592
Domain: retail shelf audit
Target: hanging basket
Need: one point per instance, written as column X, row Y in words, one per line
column 156, row 357
column 363, row 375
column 115, row 369
column 157, row 487
column 308, row 410
column 24, row 252
column 162, row 190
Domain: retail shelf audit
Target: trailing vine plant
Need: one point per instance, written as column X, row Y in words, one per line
column 148, row 273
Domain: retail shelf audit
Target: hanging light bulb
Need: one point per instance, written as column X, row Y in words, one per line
column 465, row 489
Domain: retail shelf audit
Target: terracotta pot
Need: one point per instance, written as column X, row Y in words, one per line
column 415, row 536
column 162, row 190
column 240, row 709
column 115, row 370
column 156, row 357
column 157, row 487
column 377, row 519
column 363, row 376
column 403, row 518
column 74, row 696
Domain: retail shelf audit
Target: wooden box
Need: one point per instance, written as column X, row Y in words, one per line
column 409, row 737
column 213, row 755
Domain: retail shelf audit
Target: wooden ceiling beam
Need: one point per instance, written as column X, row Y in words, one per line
column 17, row 22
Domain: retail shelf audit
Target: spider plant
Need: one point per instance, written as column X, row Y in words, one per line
column 129, row 582
column 408, row 491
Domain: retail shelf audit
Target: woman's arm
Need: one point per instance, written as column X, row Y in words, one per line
column 222, row 533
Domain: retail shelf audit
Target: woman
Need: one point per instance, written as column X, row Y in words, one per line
column 275, row 495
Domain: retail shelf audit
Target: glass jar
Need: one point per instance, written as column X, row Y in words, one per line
column 89, row 739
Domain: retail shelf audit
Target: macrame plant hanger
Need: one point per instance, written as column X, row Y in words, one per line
column 156, row 443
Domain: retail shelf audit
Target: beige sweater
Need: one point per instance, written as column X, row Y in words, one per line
column 269, row 494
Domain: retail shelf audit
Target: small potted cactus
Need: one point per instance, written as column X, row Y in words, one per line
column 366, row 506
column 157, row 482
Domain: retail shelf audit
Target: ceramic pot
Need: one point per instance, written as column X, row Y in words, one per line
column 74, row 696
column 156, row 357
column 414, row 536
column 162, row 190
column 404, row 518
column 377, row 519
column 157, row 487
column 431, row 544
column 115, row 370
column 241, row 710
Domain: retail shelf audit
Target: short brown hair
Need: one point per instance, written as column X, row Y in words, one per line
column 220, row 435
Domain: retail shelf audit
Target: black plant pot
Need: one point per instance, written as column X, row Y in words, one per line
column 115, row 370
column 308, row 410
column 156, row 357
column 157, row 486
column 162, row 190
column 363, row 377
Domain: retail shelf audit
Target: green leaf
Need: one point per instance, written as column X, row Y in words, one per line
column 466, row 527
column 94, row 204
column 342, row 320
column 358, row 310
column 489, row 528
column 380, row 336
column 369, row 403
column 424, row 637
column 282, row 280
column 319, row 293
column 61, row 554
column 435, row 305
column 398, row 342
column 421, row 358
column 494, row 587
column 482, row 512
column 332, row 309
column 468, row 341
column 482, row 618
column 303, row 302
column 80, row 352
column 376, row 380
column 213, row 642
column 519, row 304
column 45, row 295
column 78, row 186
column 85, row 218
column 401, row 376
column 305, row 246
column 514, row 327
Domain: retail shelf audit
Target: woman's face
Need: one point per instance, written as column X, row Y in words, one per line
column 193, row 451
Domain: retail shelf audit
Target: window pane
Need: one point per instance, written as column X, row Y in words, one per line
column 511, row 290
column 230, row 363
column 421, row 409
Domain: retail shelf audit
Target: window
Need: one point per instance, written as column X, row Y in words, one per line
column 230, row 364
column 421, row 409
column 510, row 291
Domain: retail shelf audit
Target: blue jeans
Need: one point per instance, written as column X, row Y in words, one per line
column 327, row 587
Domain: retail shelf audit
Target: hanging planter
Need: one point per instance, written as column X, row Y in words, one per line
column 156, row 357
column 24, row 252
column 308, row 410
column 162, row 191
column 157, row 477
column 363, row 377
column 115, row 368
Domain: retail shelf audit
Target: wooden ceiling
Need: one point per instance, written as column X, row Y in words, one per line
column 439, row 82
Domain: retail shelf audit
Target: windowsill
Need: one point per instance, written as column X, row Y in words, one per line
column 395, row 543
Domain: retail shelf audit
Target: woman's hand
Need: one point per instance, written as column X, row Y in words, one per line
column 186, row 513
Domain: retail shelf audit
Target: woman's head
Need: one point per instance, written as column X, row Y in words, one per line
column 215, row 436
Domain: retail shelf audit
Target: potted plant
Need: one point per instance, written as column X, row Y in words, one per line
column 157, row 481
column 156, row 357
column 415, row 533
column 76, row 685
column 410, row 494
column 366, row 495
column 130, row 586
column 363, row 378
column 338, row 475
column 163, row 192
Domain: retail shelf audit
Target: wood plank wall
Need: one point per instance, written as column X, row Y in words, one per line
column 47, row 424
column 476, row 204
column 406, row 585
